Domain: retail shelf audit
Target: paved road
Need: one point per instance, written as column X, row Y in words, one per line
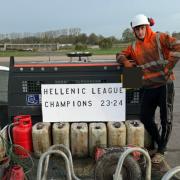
column 54, row 58
column 173, row 154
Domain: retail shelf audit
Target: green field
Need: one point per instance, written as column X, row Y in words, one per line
column 111, row 51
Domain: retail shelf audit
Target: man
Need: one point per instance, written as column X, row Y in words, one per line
column 156, row 54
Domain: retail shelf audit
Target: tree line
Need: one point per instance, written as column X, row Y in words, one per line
column 69, row 36
column 64, row 36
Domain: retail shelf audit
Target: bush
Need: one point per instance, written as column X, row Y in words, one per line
column 105, row 43
column 80, row 47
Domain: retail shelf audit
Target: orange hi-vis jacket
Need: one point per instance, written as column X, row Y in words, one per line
column 157, row 55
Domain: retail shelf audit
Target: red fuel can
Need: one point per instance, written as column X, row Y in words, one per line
column 22, row 134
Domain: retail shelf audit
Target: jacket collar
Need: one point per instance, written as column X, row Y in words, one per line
column 148, row 35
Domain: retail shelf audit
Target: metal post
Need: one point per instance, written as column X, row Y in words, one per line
column 5, row 47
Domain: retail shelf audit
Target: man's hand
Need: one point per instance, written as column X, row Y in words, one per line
column 122, row 60
column 118, row 58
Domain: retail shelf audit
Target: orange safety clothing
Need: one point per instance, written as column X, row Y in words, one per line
column 157, row 55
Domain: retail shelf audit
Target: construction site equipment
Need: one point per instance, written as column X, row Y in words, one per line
column 4, row 161
column 79, row 139
column 168, row 175
column 106, row 165
column 97, row 136
column 41, row 138
column 25, row 82
column 4, row 72
column 42, row 159
column 14, row 155
column 16, row 172
column 118, row 176
column 62, row 151
column 3, row 141
column 116, row 134
column 22, row 134
column 135, row 133
column 80, row 55
column 66, row 154
column 60, row 133
column 27, row 117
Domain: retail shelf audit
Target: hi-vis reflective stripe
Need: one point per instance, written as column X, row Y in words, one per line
column 161, row 57
column 177, row 42
column 153, row 63
column 134, row 45
column 155, row 76
column 162, row 62
column 175, row 54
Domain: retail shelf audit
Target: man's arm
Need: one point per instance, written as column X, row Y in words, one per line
column 124, row 56
column 171, row 48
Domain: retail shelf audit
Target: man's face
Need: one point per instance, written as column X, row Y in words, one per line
column 140, row 31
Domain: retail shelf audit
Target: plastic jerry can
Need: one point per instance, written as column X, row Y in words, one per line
column 79, row 139
column 22, row 135
column 3, row 142
column 135, row 133
column 41, row 138
column 60, row 132
column 116, row 134
column 97, row 136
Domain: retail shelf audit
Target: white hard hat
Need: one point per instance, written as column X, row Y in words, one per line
column 138, row 20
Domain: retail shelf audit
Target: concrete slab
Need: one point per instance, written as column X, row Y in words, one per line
column 174, row 144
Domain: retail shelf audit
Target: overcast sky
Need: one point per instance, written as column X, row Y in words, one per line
column 106, row 17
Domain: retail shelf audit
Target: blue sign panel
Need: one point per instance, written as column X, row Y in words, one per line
column 33, row 99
